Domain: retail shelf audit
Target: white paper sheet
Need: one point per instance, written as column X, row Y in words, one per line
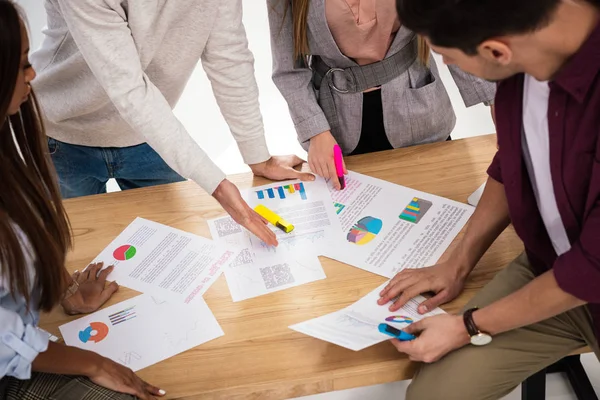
column 143, row 331
column 476, row 196
column 258, row 269
column 168, row 263
column 387, row 228
column 249, row 277
column 356, row 327
column 309, row 209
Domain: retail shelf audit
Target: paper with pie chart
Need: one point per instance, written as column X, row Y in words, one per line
column 356, row 327
column 166, row 262
column 386, row 228
column 143, row 331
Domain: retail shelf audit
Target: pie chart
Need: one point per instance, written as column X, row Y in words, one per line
column 364, row 231
column 124, row 253
column 95, row 332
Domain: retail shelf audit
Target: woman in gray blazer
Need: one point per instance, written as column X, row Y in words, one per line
column 353, row 75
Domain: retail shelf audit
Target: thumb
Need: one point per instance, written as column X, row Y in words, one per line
column 303, row 176
column 295, row 161
column 415, row 327
column 306, row 177
column 435, row 301
column 109, row 291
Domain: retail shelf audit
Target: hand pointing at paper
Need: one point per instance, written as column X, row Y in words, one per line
column 228, row 195
column 446, row 280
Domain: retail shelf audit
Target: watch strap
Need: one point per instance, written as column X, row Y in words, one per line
column 469, row 323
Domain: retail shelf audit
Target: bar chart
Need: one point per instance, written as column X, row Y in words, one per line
column 283, row 192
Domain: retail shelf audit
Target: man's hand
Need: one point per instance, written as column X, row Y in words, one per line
column 280, row 168
column 446, row 280
column 228, row 195
column 436, row 337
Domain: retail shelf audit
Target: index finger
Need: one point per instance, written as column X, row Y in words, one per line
column 104, row 273
column 412, row 290
column 396, row 287
column 415, row 328
column 92, row 270
column 332, row 174
column 256, row 226
column 406, row 347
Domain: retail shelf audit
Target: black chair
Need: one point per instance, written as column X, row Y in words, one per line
column 534, row 388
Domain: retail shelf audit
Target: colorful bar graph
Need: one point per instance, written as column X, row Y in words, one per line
column 302, row 192
column 415, row 210
column 122, row 316
column 280, row 191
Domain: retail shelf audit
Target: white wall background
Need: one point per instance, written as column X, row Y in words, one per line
column 199, row 113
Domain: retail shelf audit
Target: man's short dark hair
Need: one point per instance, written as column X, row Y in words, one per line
column 465, row 24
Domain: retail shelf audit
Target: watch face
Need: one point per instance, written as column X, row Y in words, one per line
column 481, row 339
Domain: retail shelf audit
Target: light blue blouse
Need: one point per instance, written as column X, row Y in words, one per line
column 20, row 339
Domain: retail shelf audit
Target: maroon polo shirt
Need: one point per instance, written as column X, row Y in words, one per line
column 574, row 121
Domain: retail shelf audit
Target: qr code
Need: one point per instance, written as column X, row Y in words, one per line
column 277, row 275
column 227, row 226
column 244, row 258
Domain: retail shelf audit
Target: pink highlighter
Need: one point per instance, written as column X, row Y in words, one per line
column 339, row 165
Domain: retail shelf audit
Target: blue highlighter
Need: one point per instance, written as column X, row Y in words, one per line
column 396, row 333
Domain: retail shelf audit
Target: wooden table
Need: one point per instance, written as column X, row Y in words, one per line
column 259, row 357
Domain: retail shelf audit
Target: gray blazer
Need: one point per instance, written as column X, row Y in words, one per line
column 416, row 106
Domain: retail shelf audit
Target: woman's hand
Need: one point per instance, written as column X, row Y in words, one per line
column 118, row 378
column 92, row 291
column 320, row 158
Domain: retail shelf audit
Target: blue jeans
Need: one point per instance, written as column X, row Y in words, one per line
column 84, row 171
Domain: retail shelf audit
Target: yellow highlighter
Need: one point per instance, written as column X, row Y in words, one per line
column 274, row 218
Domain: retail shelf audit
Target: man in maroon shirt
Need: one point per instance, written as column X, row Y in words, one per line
column 545, row 179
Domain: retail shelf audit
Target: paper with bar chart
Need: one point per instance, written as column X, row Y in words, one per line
column 306, row 205
column 356, row 326
column 175, row 265
column 309, row 209
column 386, row 228
column 143, row 331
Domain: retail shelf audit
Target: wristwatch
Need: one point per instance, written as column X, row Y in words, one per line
column 478, row 338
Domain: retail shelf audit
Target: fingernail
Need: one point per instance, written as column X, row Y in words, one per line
column 76, row 271
column 424, row 309
column 162, row 392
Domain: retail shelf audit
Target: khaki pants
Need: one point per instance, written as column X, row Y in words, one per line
column 493, row 371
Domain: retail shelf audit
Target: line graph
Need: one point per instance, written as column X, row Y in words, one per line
column 128, row 357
